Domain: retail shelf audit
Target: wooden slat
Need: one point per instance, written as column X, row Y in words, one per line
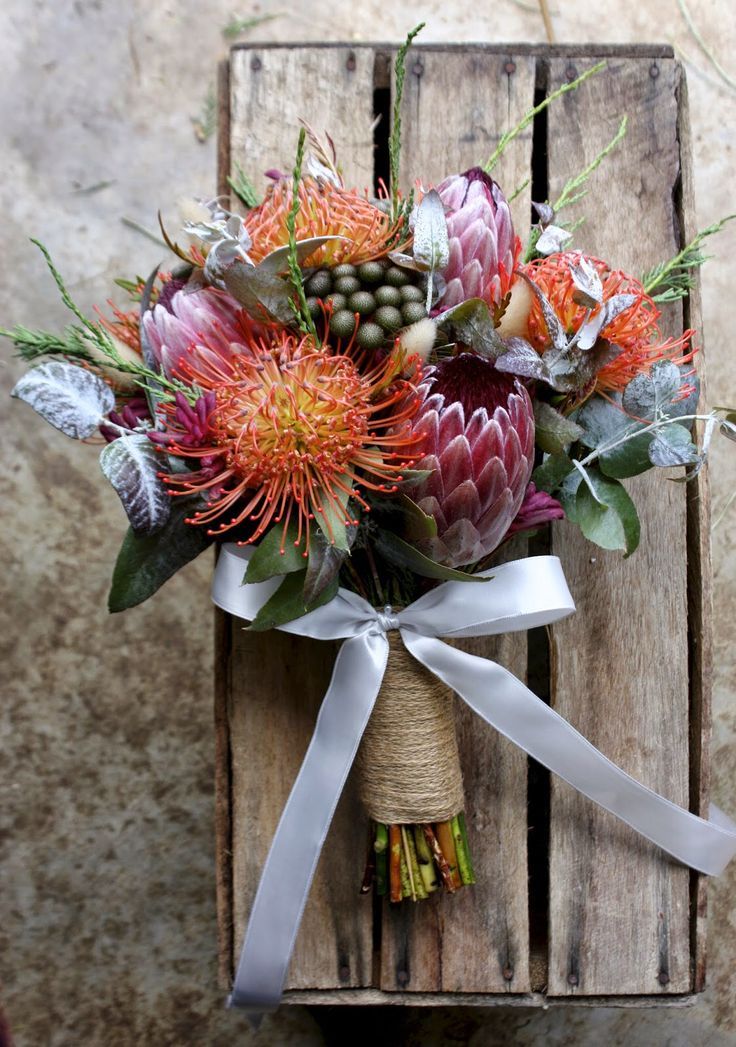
column 700, row 579
column 618, row 907
column 277, row 681
column 455, row 107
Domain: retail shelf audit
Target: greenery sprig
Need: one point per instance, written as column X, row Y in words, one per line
column 243, row 188
column 394, row 145
column 301, row 309
column 509, row 136
column 672, row 280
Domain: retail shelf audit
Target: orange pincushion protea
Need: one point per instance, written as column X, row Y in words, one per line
column 635, row 329
column 294, row 430
column 325, row 209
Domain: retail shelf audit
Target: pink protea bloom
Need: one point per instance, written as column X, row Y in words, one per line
column 206, row 325
column 478, row 426
column 483, row 247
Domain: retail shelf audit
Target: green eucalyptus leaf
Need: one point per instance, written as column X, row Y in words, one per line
column 606, row 514
column 288, row 602
column 145, row 562
column 549, row 475
column 401, row 554
column 604, row 421
column 268, row 561
column 325, row 562
column 656, row 394
column 554, row 431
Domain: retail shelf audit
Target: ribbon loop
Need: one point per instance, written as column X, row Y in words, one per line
column 514, row 596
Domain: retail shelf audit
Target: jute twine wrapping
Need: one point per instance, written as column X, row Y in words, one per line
column 408, row 759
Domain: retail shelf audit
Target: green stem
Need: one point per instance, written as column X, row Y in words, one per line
column 380, row 846
column 301, row 311
column 419, row 889
column 406, row 888
column 427, row 869
column 462, row 849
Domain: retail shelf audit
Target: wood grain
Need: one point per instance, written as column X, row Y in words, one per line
column 619, row 908
column 454, row 110
column 277, row 682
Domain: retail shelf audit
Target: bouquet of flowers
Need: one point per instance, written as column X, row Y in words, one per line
column 374, row 394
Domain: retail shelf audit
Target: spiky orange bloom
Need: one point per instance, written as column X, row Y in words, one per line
column 324, row 210
column 635, row 330
column 294, row 430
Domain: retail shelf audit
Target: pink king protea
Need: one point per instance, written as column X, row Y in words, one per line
column 478, row 426
column 483, row 247
column 195, row 326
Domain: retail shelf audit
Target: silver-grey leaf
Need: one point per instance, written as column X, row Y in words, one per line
column 431, row 241
column 552, row 240
column 556, row 331
column 546, row 213
column 588, row 286
column 277, row 261
column 132, row 465
column 673, row 446
column 71, row 398
column 258, row 291
column 588, row 334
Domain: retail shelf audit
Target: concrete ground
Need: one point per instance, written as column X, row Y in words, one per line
column 106, row 804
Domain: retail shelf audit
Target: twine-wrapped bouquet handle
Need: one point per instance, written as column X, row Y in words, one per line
column 515, row 596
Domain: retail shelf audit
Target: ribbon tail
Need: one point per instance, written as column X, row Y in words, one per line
column 511, row 708
column 296, row 847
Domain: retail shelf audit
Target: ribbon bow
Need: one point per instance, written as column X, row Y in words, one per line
column 516, row 596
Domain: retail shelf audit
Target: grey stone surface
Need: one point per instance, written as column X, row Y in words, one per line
column 108, row 922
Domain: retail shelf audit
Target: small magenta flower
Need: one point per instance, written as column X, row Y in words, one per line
column 483, row 247
column 478, row 427
column 537, row 508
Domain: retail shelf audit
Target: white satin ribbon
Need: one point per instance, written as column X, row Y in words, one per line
column 516, row 596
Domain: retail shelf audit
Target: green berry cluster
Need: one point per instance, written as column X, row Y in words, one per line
column 385, row 297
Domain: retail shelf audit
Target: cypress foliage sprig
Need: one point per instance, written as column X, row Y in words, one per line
column 509, row 136
column 669, row 281
column 243, row 188
column 394, row 145
column 301, row 310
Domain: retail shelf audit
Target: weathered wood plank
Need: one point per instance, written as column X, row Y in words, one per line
column 277, row 682
column 455, row 107
column 699, row 579
column 618, row 907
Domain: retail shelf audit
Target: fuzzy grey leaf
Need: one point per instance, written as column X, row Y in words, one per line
column 277, row 261
column 406, row 261
column 258, row 291
column 588, row 334
column 545, row 212
column 673, row 446
column 728, row 427
column 471, row 323
column 71, row 398
column 556, row 331
column 522, row 359
column 132, row 464
column 649, row 395
column 589, row 289
column 431, row 242
column 552, row 240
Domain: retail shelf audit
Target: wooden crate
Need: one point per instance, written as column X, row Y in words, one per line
column 571, row 905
